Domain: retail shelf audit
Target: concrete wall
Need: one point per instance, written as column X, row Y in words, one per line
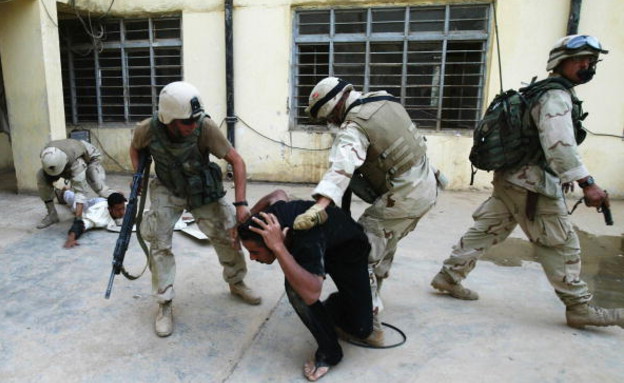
column 262, row 60
column 31, row 66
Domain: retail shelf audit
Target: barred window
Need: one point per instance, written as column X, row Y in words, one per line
column 114, row 72
column 431, row 57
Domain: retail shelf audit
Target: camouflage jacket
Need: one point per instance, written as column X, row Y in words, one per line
column 553, row 117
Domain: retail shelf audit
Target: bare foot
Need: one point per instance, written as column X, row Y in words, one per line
column 313, row 371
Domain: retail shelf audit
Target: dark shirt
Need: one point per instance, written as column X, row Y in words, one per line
column 330, row 246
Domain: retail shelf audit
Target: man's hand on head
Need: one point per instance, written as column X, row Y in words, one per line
column 271, row 231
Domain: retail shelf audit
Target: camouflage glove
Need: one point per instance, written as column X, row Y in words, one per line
column 314, row 216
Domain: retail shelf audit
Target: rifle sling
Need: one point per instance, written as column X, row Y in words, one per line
column 139, row 218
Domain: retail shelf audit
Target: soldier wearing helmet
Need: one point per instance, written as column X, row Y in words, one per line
column 74, row 160
column 181, row 139
column 532, row 195
column 380, row 155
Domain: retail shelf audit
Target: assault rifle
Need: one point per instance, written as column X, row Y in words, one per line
column 140, row 177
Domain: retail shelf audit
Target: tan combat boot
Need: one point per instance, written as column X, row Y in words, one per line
column 444, row 283
column 584, row 314
column 375, row 339
column 241, row 290
column 164, row 319
column 51, row 218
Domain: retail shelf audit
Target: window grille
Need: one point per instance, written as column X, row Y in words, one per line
column 431, row 57
column 117, row 75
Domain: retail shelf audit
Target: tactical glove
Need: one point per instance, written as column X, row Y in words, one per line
column 314, row 216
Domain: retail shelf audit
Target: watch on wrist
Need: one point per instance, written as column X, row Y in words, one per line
column 240, row 203
column 588, row 182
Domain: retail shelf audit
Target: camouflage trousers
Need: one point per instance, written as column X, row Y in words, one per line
column 214, row 219
column 385, row 224
column 555, row 242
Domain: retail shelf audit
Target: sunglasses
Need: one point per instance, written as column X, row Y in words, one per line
column 188, row 121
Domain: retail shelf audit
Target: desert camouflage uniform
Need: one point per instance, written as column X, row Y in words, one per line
column 213, row 219
column 555, row 241
column 395, row 213
column 83, row 168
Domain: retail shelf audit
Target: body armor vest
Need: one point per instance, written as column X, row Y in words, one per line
column 182, row 168
column 395, row 144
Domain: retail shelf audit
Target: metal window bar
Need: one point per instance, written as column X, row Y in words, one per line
column 442, row 70
column 404, row 60
column 443, row 36
column 152, row 65
column 98, row 84
column 93, row 96
column 124, row 71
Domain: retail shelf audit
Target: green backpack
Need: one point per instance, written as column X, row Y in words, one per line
column 506, row 137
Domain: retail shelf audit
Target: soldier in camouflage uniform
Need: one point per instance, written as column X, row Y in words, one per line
column 180, row 140
column 74, row 160
column 381, row 156
column 532, row 195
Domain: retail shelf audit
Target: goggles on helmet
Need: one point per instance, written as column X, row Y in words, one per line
column 332, row 93
column 583, row 41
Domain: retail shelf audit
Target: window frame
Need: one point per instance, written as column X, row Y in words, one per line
column 443, row 37
column 124, row 47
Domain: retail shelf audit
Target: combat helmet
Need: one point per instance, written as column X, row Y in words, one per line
column 573, row 45
column 53, row 160
column 179, row 101
column 325, row 96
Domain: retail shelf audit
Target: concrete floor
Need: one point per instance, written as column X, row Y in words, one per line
column 56, row 325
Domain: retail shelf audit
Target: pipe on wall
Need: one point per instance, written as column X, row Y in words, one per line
column 575, row 16
column 229, row 72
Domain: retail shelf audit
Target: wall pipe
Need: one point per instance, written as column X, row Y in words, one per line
column 229, row 72
column 575, row 16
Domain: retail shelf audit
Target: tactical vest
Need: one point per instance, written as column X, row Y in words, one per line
column 395, row 144
column 183, row 169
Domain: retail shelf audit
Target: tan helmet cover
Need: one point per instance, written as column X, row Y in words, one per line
column 53, row 160
column 558, row 53
column 179, row 100
column 325, row 96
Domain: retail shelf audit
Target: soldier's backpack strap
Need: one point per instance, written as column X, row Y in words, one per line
column 361, row 101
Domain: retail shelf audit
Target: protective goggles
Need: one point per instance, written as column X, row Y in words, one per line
column 583, row 41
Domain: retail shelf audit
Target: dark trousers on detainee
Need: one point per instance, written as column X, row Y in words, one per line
column 350, row 309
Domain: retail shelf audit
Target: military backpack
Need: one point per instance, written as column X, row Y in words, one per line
column 506, row 137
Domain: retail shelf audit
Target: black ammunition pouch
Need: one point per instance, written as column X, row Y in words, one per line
column 362, row 188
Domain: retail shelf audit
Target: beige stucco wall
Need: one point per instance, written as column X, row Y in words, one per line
column 32, row 80
column 262, row 60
